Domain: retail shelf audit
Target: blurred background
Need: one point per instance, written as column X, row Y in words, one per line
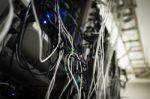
column 109, row 38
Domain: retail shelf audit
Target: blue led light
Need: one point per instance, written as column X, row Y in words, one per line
column 50, row 16
column 62, row 14
column 43, row 20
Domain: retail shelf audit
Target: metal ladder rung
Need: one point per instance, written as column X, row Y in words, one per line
column 128, row 29
column 137, row 59
column 130, row 41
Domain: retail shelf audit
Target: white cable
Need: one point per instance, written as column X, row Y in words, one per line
column 75, row 82
column 3, row 83
column 51, row 85
column 97, row 66
column 41, row 37
column 96, row 56
column 70, row 79
column 65, row 88
column 8, row 23
column 71, row 54
column 69, row 62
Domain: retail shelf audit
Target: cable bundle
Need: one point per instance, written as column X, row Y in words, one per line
column 62, row 32
column 85, row 78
